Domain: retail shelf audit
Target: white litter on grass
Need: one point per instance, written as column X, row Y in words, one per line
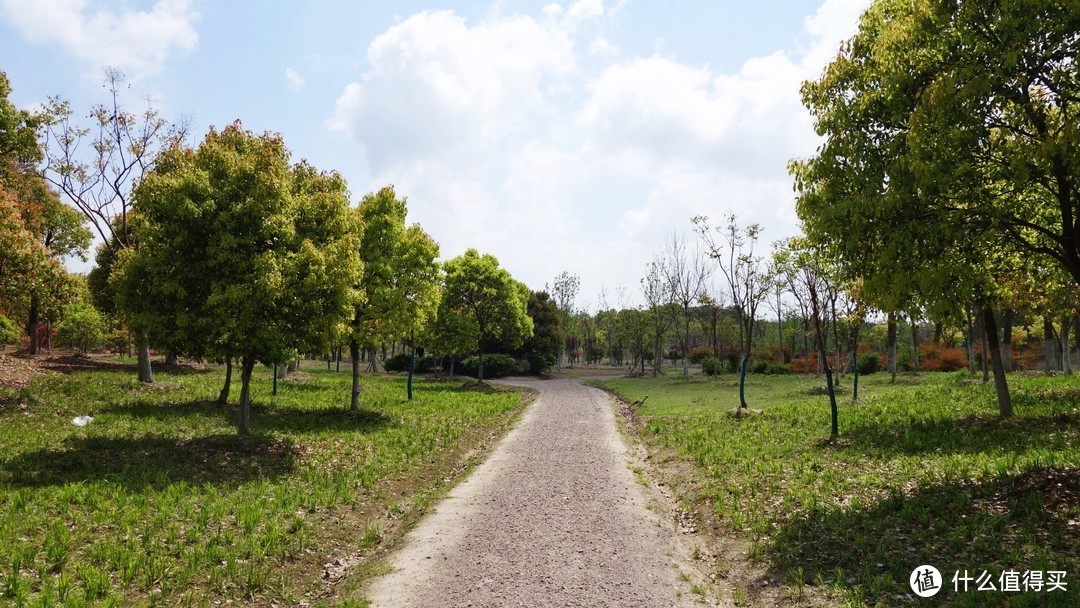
column 81, row 420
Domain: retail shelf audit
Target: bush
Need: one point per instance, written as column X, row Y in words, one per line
column 9, row 334
column 495, row 366
column 711, row 366
column 935, row 358
column 697, row 355
column 400, row 363
column 118, row 341
column 761, row 366
column 733, row 360
column 539, row 363
column 869, row 363
column 777, row 369
column 81, row 328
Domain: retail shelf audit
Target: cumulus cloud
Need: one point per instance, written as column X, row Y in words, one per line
column 505, row 138
column 138, row 42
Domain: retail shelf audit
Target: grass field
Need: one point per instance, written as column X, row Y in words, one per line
column 157, row 501
column 924, row 472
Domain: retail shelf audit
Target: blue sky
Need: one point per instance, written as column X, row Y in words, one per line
column 573, row 135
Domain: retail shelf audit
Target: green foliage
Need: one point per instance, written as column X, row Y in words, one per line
column 488, row 301
column 697, row 355
column 9, row 334
column 400, row 363
column 81, row 328
column 158, row 501
column 495, row 366
column 542, row 348
column 400, row 278
column 711, row 366
column 240, row 253
column 869, row 363
column 761, row 366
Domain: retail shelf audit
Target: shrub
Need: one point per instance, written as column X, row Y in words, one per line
column 8, row 332
column 935, row 358
column 777, row 369
column 711, row 366
column 495, row 366
column 697, row 355
column 81, row 328
column 869, row 363
column 761, row 366
column 733, row 360
column 400, row 363
column 118, row 341
column 539, row 363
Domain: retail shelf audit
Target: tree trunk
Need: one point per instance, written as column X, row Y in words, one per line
column 171, row 359
column 1001, row 383
column 970, row 340
column 914, row 342
column 480, row 367
column 281, row 370
column 1006, row 331
column 780, row 331
column 223, row 396
column 33, row 323
column 451, row 366
column 890, row 346
column 247, row 365
column 983, row 359
column 834, row 412
column 1049, row 358
column 412, row 368
column 742, row 381
column 146, row 372
column 938, row 330
column 1066, row 363
column 354, row 353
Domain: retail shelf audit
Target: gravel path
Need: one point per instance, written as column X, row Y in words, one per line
column 553, row 518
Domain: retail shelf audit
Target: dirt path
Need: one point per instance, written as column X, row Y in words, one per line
column 553, row 518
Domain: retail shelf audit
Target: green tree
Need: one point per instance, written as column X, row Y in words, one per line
column 541, row 349
column 81, row 327
column 399, row 283
column 241, row 254
column 452, row 333
column 477, row 288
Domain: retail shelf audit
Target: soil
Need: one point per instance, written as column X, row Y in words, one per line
column 554, row 517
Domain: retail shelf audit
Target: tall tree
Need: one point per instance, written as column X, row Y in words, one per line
column 564, row 291
column 687, row 276
column 746, row 280
column 542, row 348
column 490, row 298
column 400, row 279
column 241, row 253
column 96, row 168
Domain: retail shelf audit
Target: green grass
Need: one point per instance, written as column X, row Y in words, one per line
column 158, row 502
column 924, row 472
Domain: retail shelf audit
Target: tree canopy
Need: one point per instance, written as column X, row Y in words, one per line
column 240, row 253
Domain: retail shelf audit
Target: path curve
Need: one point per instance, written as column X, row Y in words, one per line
column 554, row 517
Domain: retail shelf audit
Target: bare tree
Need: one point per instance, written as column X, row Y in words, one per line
column 96, row 168
column 747, row 283
column 564, row 291
column 687, row 276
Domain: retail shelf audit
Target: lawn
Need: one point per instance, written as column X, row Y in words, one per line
column 157, row 501
column 924, row 472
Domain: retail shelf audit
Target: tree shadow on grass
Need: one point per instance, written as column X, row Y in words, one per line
column 263, row 417
column 155, row 461
column 964, row 435
column 1017, row 522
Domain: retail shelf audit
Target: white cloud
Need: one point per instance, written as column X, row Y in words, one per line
column 138, row 42
column 503, row 141
column 294, row 80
